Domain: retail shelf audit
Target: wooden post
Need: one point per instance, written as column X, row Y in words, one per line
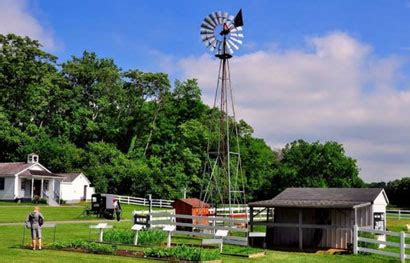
column 41, row 190
column 32, row 188
column 169, row 239
column 251, row 218
column 355, row 216
column 399, row 214
column 402, row 247
column 101, row 234
column 355, row 239
column 300, row 230
column 136, row 238
column 128, row 200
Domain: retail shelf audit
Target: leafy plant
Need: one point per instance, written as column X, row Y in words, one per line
column 182, row 253
column 122, row 236
column 151, row 237
column 145, row 237
column 93, row 247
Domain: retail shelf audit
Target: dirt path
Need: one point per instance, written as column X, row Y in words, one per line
column 69, row 222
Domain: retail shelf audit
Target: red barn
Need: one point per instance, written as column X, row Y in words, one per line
column 192, row 207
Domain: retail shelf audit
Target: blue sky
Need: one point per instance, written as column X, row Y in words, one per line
column 130, row 31
column 316, row 70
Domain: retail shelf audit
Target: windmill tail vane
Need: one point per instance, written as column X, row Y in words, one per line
column 223, row 177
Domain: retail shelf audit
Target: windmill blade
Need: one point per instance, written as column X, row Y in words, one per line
column 219, row 16
column 207, row 38
column 238, row 41
column 225, row 17
column 205, row 25
column 228, row 45
column 212, row 44
column 236, row 29
column 236, row 35
column 206, row 31
column 214, row 17
column 209, row 20
column 231, row 43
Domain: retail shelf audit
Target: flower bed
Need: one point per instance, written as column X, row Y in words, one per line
column 147, row 237
column 84, row 246
column 177, row 253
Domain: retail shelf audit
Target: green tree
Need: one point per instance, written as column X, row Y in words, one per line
column 315, row 165
column 27, row 76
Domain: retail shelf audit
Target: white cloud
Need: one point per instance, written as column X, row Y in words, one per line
column 338, row 90
column 15, row 18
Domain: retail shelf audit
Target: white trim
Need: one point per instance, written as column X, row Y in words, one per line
column 31, row 167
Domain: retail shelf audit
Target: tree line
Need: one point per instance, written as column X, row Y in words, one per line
column 134, row 132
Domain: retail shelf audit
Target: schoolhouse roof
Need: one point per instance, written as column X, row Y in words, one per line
column 13, row 168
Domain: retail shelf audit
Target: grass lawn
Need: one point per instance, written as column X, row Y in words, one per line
column 11, row 239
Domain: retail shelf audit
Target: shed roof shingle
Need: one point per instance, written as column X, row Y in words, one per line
column 321, row 197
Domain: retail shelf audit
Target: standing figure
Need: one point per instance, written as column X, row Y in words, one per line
column 117, row 209
column 35, row 220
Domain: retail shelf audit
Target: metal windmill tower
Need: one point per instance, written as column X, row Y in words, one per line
column 223, row 176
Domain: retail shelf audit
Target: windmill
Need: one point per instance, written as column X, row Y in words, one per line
column 223, row 182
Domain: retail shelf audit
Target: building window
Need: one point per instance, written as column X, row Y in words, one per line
column 23, row 184
column 2, row 183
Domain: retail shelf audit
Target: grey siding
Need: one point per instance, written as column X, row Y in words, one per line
column 325, row 238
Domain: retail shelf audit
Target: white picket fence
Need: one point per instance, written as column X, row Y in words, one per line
column 205, row 226
column 400, row 214
column 402, row 244
column 131, row 200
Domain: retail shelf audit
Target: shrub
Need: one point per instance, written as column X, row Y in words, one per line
column 145, row 237
column 96, row 248
column 183, row 253
column 38, row 200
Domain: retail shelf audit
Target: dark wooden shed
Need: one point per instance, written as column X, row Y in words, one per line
column 192, row 207
column 320, row 217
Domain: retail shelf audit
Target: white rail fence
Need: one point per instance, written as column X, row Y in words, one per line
column 161, row 203
column 164, row 203
column 203, row 226
column 400, row 214
column 402, row 245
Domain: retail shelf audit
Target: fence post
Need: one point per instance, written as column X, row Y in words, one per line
column 150, row 209
column 399, row 214
column 128, row 200
column 402, row 247
column 214, row 226
column 355, row 239
column 160, row 203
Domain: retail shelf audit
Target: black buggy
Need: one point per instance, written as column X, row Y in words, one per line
column 102, row 205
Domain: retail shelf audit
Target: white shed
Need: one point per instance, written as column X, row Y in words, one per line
column 321, row 217
column 75, row 187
